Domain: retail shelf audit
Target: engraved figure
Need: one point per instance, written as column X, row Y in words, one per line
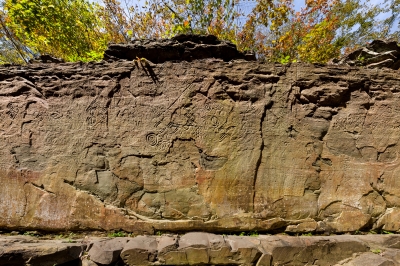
column 12, row 110
column 96, row 114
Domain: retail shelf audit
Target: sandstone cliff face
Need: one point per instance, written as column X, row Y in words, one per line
column 203, row 145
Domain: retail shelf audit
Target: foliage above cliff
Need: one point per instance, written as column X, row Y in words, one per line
column 80, row 30
column 66, row 28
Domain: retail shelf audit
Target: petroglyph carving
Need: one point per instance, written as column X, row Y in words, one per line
column 96, row 114
column 12, row 110
column 152, row 139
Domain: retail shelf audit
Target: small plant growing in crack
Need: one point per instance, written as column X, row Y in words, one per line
column 387, row 232
column 31, row 233
column 70, row 237
column 376, row 251
column 251, row 233
column 118, row 234
column 254, row 233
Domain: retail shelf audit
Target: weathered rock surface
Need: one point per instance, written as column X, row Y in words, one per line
column 206, row 249
column 17, row 251
column 204, row 145
column 377, row 54
column 181, row 47
column 367, row 259
column 107, row 251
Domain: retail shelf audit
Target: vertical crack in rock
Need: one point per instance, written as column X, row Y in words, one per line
column 261, row 150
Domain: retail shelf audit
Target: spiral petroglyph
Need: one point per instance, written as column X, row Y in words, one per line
column 152, row 139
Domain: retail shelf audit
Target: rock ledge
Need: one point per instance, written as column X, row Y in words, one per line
column 204, row 249
column 181, row 47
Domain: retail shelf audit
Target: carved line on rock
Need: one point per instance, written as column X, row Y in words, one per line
column 180, row 95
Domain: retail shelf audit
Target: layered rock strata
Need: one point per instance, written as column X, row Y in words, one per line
column 181, row 47
column 377, row 54
column 204, row 249
column 204, row 145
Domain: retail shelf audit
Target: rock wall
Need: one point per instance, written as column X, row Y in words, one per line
column 205, row 145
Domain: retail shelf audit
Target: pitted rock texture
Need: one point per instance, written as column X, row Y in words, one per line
column 204, row 249
column 209, row 145
column 181, row 47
